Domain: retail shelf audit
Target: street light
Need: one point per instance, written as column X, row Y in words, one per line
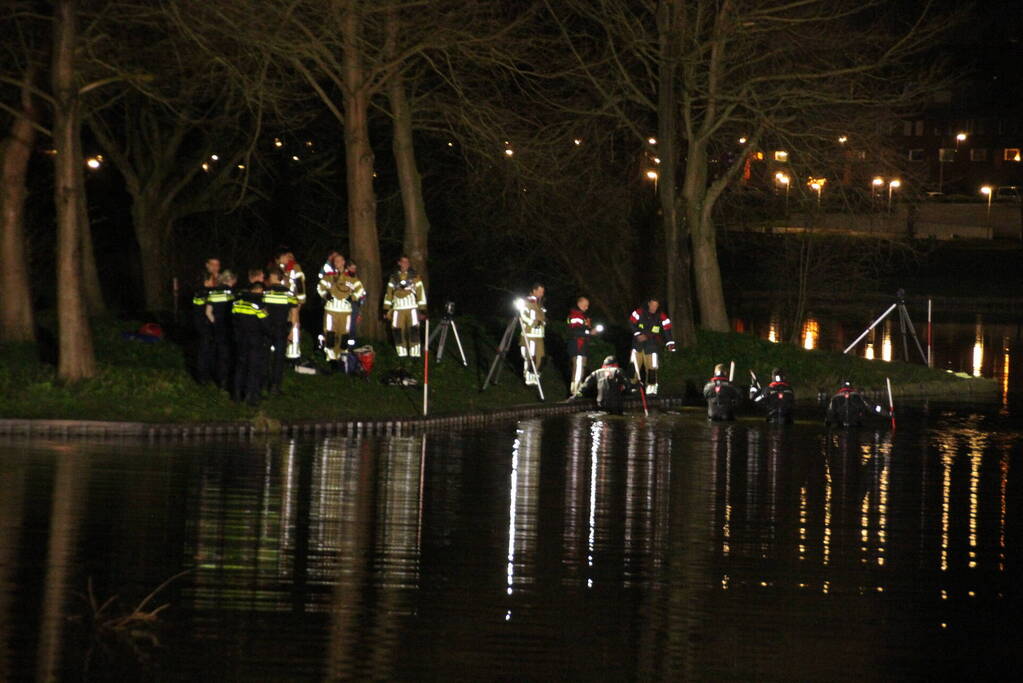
column 652, row 175
column 989, row 192
column 892, row 186
column 961, row 137
column 875, row 190
column 817, row 185
column 784, row 180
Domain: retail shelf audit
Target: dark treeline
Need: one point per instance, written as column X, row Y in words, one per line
column 596, row 145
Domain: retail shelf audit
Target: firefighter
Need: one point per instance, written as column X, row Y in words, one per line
column 580, row 328
column 609, row 384
column 849, row 406
column 293, row 278
column 777, row 397
column 218, row 313
column 250, row 321
column 651, row 329
column 282, row 313
column 533, row 324
column 404, row 307
column 722, row 396
column 338, row 289
column 353, row 271
column 205, row 360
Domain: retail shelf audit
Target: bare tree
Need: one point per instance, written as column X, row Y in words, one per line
column 17, row 320
column 748, row 74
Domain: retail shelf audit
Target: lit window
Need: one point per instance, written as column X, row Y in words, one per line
column 781, row 155
column 978, row 154
column 1011, row 154
column 947, row 155
column 760, row 156
column 916, row 155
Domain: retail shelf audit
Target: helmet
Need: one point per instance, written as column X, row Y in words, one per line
column 719, row 369
column 846, row 382
column 609, row 361
column 778, row 374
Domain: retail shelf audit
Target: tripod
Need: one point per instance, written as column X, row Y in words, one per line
column 446, row 323
column 904, row 324
column 502, row 353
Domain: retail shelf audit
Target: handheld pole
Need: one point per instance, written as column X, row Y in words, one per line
column 930, row 358
column 872, row 326
column 731, row 371
column 891, row 402
column 642, row 396
column 426, row 371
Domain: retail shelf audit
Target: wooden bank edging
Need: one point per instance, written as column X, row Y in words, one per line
column 397, row 426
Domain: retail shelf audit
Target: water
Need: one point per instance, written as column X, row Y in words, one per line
column 580, row 547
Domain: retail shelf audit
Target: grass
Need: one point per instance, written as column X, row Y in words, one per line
column 144, row 382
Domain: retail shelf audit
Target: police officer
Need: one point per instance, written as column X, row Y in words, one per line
column 218, row 313
column 251, row 338
column 849, row 406
column 404, row 307
column 609, row 384
column 533, row 319
column 339, row 289
column 722, row 396
column 651, row 329
column 293, row 278
column 579, row 330
column 777, row 397
column 282, row 313
column 205, row 357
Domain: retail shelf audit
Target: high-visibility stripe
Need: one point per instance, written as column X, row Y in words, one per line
column 576, row 321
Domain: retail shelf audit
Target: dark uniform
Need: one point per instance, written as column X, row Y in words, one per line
column 650, row 332
column 777, row 398
column 278, row 300
column 722, row 397
column 251, row 335
column 608, row 383
column 579, row 330
column 205, row 352
column 848, row 407
column 219, row 300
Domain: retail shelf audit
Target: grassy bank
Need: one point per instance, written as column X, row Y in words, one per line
column 151, row 383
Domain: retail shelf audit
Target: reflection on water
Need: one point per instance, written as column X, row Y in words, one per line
column 577, row 547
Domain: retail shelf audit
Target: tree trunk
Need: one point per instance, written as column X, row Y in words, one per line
column 17, row 321
column 152, row 229
column 417, row 225
column 90, row 275
column 676, row 243
column 362, row 207
column 707, row 274
column 76, row 358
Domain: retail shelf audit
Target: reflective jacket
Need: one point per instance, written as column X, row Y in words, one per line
column 294, row 279
column 405, row 291
column 579, row 329
column 656, row 326
column 220, row 298
column 779, row 400
column 339, row 291
column 534, row 318
column 278, row 302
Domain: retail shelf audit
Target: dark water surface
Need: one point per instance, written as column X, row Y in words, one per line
column 578, row 547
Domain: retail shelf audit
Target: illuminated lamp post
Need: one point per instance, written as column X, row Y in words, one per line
column 892, row 186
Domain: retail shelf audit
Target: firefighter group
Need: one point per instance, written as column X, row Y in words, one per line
column 247, row 333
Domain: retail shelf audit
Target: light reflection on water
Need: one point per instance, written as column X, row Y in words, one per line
column 578, row 547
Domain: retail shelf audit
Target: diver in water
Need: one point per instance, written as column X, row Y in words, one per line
column 609, row 384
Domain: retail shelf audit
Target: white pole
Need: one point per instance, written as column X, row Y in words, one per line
column 426, row 371
column 930, row 358
column 731, row 371
column 872, row 326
